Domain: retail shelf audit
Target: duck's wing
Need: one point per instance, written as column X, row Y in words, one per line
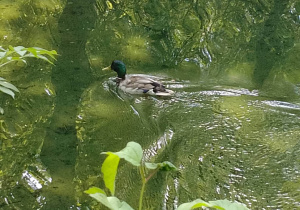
column 145, row 83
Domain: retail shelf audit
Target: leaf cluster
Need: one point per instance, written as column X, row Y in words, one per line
column 133, row 154
column 7, row 88
column 20, row 53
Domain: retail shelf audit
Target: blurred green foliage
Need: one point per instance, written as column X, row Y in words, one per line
column 20, row 53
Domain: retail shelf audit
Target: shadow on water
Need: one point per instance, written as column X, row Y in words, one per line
column 70, row 76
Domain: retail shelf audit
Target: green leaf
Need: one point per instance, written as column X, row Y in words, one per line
column 32, row 50
column 9, row 85
column 151, row 166
column 39, row 51
column 167, row 166
column 24, row 61
column 164, row 166
column 19, row 50
column 118, row 205
column 109, row 169
column 111, row 202
column 228, row 205
column 10, row 51
column 47, row 52
column 44, row 58
column 132, row 153
column 193, row 205
column 50, row 53
column 7, row 91
column 38, row 56
column 11, row 48
column 1, row 110
column 219, row 204
column 2, row 54
column 94, row 190
column 98, row 195
column 15, row 58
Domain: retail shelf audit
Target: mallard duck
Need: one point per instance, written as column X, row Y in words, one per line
column 137, row 84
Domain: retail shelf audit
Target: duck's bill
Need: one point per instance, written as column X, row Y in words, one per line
column 106, row 68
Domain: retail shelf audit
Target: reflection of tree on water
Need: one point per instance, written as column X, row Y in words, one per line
column 273, row 42
column 207, row 33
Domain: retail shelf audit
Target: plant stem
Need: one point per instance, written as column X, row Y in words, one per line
column 142, row 195
column 143, row 186
column 1, row 65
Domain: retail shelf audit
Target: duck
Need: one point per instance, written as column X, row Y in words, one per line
column 137, row 83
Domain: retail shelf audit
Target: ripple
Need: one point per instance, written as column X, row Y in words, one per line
column 282, row 104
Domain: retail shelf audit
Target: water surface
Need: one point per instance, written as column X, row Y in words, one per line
column 232, row 128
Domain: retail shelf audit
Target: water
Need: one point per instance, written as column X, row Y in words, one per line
column 232, row 127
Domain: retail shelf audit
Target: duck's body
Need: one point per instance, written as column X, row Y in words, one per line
column 142, row 84
column 138, row 84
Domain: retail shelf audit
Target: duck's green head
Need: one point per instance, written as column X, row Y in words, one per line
column 119, row 67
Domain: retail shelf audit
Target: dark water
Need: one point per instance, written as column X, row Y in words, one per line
column 232, row 127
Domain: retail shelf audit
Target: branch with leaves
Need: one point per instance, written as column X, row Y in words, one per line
column 133, row 154
column 20, row 53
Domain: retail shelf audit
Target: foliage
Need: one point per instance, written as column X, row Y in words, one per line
column 7, row 87
column 20, row 53
column 219, row 204
column 133, row 154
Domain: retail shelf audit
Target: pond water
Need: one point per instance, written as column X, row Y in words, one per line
column 232, row 127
